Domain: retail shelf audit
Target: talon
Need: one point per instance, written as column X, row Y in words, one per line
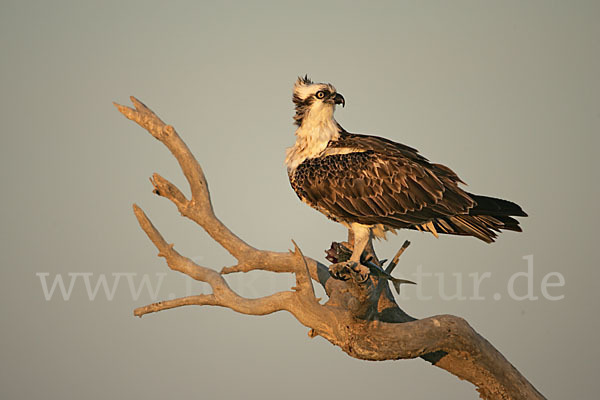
column 362, row 278
column 362, row 273
column 341, row 271
column 345, row 270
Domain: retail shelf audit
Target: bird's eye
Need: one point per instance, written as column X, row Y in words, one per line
column 320, row 94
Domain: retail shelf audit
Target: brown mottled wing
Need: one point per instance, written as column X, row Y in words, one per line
column 379, row 182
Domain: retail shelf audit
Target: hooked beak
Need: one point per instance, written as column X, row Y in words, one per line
column 339, row 99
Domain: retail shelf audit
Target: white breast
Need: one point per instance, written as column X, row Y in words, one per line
column 317, row 129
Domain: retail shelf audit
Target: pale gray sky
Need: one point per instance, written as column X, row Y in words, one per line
column 506, row 93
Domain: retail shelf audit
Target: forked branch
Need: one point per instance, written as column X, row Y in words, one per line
column 363, row 320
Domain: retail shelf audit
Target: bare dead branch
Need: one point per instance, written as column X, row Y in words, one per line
column 303, row 279
column 394, row 262
column 222, row 293
column 380, row 331
column 197, row 300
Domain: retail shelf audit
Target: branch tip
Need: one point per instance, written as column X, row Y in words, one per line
column 138, row 104
column 138, row 211
column 296, row 248
column 396, row 258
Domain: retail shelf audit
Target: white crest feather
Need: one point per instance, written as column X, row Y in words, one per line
column 304, row 88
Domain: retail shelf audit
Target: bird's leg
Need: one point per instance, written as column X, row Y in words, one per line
column 362, row 237
column 341, row 270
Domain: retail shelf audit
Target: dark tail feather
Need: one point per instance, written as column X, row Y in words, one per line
column 484, row 221
column 495, row 207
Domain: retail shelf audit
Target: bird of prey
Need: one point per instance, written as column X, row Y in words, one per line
column 373, row 185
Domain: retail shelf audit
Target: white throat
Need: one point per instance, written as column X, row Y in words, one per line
column 317, row 129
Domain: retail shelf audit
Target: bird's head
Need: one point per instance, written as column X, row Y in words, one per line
column 315, row 99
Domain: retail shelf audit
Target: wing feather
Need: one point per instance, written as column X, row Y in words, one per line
column 380, row 182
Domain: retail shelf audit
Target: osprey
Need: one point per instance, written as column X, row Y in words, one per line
column 372, row 185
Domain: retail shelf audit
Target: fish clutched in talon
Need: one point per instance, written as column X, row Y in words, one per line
column 361, row 273
column 349, row 269
column 344, row 270
column 379, row 272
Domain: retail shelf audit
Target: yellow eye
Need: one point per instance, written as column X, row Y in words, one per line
column 320, row 94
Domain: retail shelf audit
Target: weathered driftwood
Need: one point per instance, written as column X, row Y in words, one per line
column 362, row 319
